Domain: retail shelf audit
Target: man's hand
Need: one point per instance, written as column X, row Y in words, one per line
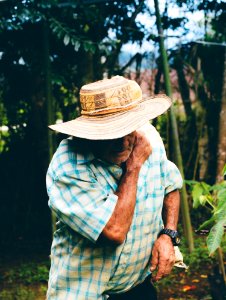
column 141, row 151
column 163, row 257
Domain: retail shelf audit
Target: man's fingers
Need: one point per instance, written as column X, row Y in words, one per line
column 161, row 271
column 164, row 267
column 169, row 265
column 154, row 260
column 163, row 257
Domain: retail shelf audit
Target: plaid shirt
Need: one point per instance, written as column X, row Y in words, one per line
column 81, row 193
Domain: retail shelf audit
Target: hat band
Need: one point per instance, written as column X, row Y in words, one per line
column 115, row 99
column 110, row 110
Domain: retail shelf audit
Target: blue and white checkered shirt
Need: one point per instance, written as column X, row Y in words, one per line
column 81, row 193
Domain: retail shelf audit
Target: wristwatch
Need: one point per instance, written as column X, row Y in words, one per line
column 171, row 233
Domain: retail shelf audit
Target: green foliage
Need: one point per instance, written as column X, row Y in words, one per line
column 24, row 292
column 26, row 281
column 224, row 171
column 28, row 273
column 4, row 134
column 19, row 293
column 215, row 236
column 76, row 23
column 214, row 199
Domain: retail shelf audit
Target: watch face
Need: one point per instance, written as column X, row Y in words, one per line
column 173, row 234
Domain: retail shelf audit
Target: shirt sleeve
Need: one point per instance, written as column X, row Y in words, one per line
column 170, row 175
column 81, row 202
column 172, row 179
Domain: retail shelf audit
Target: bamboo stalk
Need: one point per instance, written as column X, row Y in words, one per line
column 175, row 136
column 221, row 263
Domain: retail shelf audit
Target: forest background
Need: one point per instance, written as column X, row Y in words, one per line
column 48, row 50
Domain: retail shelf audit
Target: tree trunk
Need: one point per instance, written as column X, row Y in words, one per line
column 175, row 137
column 158, row 78
column 183, row 86
column 202, row 125
column 221, row 151
column 221, row 154
column 48, row 103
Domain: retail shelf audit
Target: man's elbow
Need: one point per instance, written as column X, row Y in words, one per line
column 113, row 236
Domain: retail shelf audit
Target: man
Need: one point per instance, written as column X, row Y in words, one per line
column 110, row 184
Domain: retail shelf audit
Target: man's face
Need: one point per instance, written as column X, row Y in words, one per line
column 115, row 151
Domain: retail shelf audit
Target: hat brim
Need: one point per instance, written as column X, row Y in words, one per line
column 115, row 125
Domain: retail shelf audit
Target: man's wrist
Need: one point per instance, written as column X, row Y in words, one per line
column 133, row 169
column 172, row 234
column 165, row 236
column 171, row 226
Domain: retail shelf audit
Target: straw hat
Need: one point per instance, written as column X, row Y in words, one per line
column 112, row 108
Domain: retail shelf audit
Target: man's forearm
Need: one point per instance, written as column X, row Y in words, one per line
column 163, row 255
column 117, row 227
column 170, row 212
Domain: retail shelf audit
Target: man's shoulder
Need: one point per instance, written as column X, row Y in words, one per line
column 69, row 150
column 153, row 136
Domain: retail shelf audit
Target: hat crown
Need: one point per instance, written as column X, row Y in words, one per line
column 109, row 95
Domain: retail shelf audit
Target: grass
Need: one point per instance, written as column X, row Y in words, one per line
column 25, row 281
column 27, row 273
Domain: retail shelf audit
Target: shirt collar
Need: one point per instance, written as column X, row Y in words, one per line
column 83, row 158
column 115, row 170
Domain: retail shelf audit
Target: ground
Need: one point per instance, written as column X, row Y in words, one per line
column 24, row 276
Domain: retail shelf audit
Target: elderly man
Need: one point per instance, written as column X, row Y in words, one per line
column 116, row 197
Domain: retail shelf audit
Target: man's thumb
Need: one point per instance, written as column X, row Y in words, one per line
column 153, row 267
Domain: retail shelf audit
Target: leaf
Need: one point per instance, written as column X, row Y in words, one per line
column 190, row 182
column 66, row 40
column 89, row 46
column 54, row 28
column 206, row 187
column 218, row 186
column 221, row 200
column 222, row 195
column 77, row 45
column 215, row 236
column 86, row 28
column 220, row 212
column 224, row 170
column 188, row 288
column 202, row 200
column 207, row 223
column 59, row 34
column 196, row 193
